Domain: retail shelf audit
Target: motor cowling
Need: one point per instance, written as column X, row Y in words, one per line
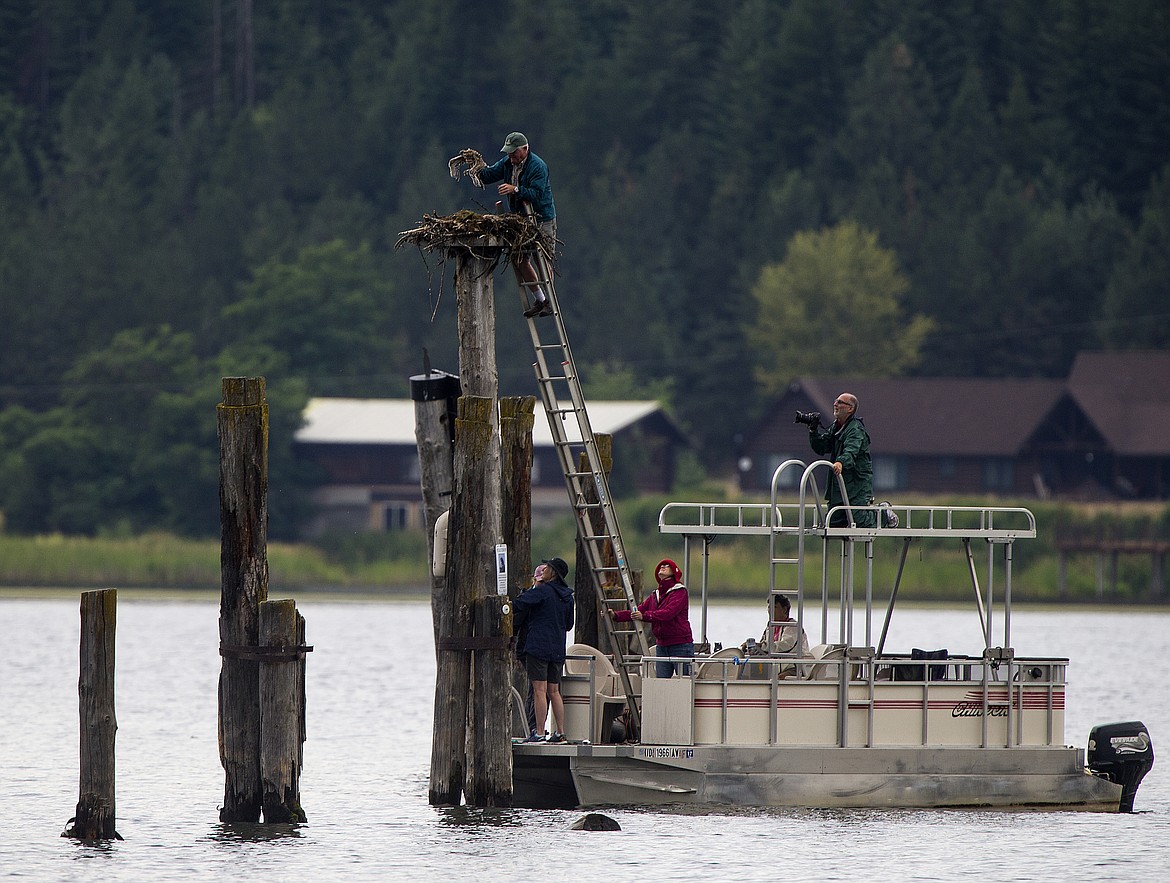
column 1122, row 753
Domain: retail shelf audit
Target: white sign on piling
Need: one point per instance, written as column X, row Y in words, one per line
column 501, row 569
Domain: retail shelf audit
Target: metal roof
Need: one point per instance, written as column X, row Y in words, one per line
column 392, row 422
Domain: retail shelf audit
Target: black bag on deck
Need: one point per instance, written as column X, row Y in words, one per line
column 910, row 672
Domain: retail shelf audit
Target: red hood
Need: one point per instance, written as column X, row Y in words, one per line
column 676, row 572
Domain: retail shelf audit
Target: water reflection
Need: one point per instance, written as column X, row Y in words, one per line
column 479, row 817
column 253, row 832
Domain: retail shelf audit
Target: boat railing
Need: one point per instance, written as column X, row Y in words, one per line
column 762, row 518
column 1016, row 701
column 965, row 522
column 709, row 519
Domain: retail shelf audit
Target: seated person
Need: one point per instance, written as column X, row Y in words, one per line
column 785, row 637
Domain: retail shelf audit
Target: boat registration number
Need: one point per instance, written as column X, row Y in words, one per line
column 655, row 753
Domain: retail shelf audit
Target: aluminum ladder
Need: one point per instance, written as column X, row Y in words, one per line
column 564, row 405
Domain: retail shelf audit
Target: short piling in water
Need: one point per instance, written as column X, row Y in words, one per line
column 243, row 507
column 282, row 709
column 262, row 643
column 95, row 816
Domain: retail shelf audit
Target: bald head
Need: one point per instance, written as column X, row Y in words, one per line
column 844, row 407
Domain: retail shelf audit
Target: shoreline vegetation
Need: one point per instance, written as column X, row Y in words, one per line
column 395, row 565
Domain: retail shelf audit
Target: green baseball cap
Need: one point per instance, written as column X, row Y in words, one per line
column 514, row 142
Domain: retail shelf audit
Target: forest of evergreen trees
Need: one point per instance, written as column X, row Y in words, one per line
column 746, row 191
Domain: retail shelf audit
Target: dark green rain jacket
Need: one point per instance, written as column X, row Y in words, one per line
column 849, row 446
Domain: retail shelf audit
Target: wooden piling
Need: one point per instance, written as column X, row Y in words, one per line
column 469, row 568
column 282, row 709
column 516, row 421
column 243, row 506
column 472, row 755
column 489, row 766
column 434, row 395
column 476, row 318
column 95, row 816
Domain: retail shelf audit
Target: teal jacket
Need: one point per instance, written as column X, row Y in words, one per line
column 849, row 446
column 534, row 185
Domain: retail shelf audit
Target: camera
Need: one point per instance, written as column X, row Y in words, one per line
column 811, row 419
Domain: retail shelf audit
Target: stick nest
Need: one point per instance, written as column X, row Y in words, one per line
column 454, row 232
column 458, row 233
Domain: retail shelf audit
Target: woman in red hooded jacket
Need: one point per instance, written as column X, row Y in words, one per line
column 666, row 610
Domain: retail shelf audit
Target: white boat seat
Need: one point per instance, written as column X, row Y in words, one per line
column 608, row 698
column 825, row 670
column 712, row 670
column 604, row 674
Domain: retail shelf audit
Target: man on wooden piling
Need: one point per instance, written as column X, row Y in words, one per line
column 546, row 612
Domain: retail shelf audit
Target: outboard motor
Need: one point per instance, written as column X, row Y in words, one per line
column 1121, row 753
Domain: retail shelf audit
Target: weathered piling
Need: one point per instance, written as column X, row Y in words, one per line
column 282, row 709
column 95, row 816
column 489, row 764
column 516, row 421
column 472, row 755
column 435, row 394
column 243, row 506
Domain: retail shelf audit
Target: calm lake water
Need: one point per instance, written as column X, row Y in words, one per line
column 364, row 785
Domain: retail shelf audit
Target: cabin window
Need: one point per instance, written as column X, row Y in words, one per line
column 889, row 473
column 398, row 515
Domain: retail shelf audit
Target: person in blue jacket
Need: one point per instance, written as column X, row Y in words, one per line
column 545, row 613
column 525, row 180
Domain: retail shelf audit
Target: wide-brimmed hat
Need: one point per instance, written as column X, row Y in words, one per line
column 559, row 565
column 514, row 142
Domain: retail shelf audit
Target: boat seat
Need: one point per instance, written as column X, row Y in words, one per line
column 825, row 670
column 608, row 698
column 605, row 676
column 711, row 670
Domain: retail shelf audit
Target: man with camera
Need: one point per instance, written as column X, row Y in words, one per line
column 846, row 444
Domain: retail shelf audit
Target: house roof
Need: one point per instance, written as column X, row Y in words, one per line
column 1127, row 396
column 392, row 421
column 929, row 415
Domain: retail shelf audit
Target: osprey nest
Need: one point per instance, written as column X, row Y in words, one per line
column 460, row 230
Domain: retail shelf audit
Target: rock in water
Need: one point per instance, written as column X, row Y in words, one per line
column 595, row 821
